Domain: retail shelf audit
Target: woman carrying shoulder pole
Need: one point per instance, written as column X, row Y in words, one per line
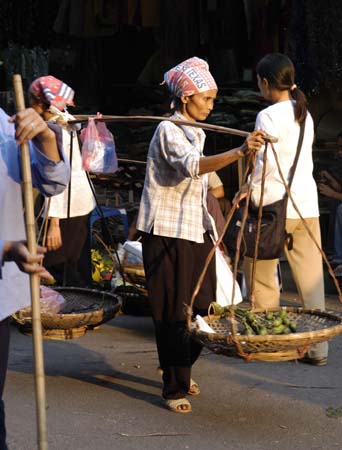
column 176, row 227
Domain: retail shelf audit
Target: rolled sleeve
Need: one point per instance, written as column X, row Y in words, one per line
column 181, row 154
column 49, row 176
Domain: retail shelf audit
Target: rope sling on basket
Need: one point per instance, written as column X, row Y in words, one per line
column 231, row 331
column 84, row 308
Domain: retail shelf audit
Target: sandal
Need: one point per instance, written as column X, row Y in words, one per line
column 178, row 405
column 194, row 387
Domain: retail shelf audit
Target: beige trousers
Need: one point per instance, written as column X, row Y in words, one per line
column 306, row 266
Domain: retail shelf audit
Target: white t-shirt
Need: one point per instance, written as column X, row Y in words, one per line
column 278, row 120
column 82, row 199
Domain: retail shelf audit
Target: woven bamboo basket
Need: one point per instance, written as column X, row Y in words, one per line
column 83, row 309
column 312, row 327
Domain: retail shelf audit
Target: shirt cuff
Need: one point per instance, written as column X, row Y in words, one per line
column 44, row 160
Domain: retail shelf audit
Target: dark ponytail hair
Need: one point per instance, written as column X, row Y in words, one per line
column 279, row 71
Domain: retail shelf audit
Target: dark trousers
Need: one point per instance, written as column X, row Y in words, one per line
column 70, row 265
column 4, row 348
column 172, row 268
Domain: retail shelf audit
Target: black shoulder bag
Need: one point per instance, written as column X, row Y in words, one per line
column 273, row 235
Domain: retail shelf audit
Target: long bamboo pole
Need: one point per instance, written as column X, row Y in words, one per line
column 204, row 126
column 34, row 278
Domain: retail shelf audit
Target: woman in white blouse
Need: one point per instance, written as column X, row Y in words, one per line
column 68, row 237
column 288, row 110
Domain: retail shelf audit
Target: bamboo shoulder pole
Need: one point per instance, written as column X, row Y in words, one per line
column 204, row 126
column 34, row 278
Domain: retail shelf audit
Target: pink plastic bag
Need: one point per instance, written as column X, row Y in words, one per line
column 98, row 148
column 51, row 301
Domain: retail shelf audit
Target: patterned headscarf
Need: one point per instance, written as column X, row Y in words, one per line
column 53, row 91
column 189, row 77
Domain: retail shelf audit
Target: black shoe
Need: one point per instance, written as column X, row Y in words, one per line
column 314, row 361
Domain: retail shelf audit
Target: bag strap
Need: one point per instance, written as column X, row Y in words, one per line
column 70, row 162
column 289, row 236
column 299, row 146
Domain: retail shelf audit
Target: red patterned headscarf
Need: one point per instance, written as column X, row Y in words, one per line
column 189, row 77
column 53, row 91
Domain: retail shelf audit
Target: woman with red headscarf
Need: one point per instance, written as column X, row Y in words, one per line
column 176, row 226
column 68, row 241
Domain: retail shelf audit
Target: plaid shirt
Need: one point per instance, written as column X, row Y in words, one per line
column 174, row 200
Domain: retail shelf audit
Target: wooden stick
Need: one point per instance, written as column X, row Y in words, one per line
column 205, row 126
column 131, row 161
column 43, row 228
column 46, row 222
column 34, row 278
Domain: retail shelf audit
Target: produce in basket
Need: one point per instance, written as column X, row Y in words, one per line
column 262, row 324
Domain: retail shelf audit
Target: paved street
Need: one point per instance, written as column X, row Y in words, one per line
column 103, row 393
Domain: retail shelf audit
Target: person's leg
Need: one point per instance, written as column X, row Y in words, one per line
column 4, row 348
column 330, row 232
column 54, row 260
column 266, row 286
column 84, row 261
column 306, row 265
column 63, row 262
column 165, row 290
column 338, row 234
column 76, row 238
column 187, row 350
column 174, row 350
column 171, row 269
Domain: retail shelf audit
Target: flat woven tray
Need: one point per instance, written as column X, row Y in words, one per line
column 83, row 308
column 313, row 326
